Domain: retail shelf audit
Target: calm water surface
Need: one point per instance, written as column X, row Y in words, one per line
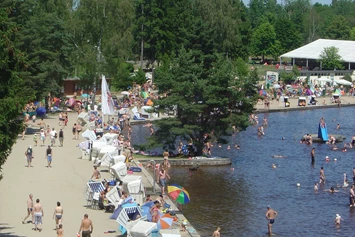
column 237, row 200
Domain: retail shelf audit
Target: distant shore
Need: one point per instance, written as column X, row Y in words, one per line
column 346, row 101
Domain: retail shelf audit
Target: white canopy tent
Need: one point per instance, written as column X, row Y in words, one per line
column 313, row 50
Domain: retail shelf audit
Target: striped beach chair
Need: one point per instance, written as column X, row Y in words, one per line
column 93, row 193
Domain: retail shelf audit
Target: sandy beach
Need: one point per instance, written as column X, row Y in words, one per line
column 64, row 182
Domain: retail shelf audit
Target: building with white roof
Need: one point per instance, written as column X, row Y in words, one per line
column 307, row 56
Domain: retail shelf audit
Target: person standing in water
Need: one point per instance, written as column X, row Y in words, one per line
column 270, row 216
column 321, row 175
column 216, row 232
column 313, row 155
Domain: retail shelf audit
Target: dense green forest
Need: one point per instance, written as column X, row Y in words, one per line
column 44, row 41
column 85, row 38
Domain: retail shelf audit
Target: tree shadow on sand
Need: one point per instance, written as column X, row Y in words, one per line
column 5, row 231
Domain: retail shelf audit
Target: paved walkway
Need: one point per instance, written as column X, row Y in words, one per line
column 64, row 182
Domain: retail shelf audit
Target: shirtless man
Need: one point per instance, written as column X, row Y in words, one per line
column 38, row 215
column 29, row 208
column 95, row 173
column 162, row 178
column 42, row 124
column 270, row 216
column 58, row 215
column 86, row 227
column 313, row 155
column 216, row 232
column 321, row 175
column 60, row 231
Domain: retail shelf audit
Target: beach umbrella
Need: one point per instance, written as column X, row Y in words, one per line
column 41, row 111
column 178, row 193
column 125, row 93
column 344, row 82
column 85, row 96
column 146, row 210
column 164, row 222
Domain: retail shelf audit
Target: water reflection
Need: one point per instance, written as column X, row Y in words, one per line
column 237, row 200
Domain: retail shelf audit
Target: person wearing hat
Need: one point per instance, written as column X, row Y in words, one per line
column 270, row 216
column 338, row 219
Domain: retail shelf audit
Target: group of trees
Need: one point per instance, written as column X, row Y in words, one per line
column 45, row 41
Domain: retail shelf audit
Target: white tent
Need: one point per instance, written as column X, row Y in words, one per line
column 314, row 49
column 344, row 82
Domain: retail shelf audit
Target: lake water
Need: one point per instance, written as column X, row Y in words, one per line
column 236, row 200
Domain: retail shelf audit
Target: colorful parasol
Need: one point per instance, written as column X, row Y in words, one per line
column 178, row 193
column 165, row 222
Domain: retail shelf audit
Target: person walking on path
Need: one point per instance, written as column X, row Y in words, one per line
column 53, row 135
column 86, row 227
column 61, row 137
column 74, row 131
column 216, row 232
column 49, row 156
column 38, row 215
column 313, row 155
column 270, row 216
column 78, row 130
column 29, row 208
column 29, row 156
column 43, row 136
column 58, row 215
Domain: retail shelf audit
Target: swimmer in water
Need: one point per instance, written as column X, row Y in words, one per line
column 337, row 219
column 315, row 187
column 278, row 156
column 228, row 147
column 338, row 126
column 331, row 190
column 274, row 166
column 237, row 147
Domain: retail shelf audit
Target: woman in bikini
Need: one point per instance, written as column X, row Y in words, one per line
column 154, row 211
column 58, row 215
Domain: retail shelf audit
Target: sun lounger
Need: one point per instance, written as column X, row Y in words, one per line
column 146, row 111
column 89, row 135
column 107, row 149
column 83, row 118
column 114, row 197
column 142, row 229
column 94, row 189
column 137, row 191
column 119, row 170
column 124, row 220
column 130, row 178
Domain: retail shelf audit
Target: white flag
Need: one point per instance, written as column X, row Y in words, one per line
column 107, row 106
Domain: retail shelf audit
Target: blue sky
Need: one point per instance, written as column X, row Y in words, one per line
column 320, row 1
